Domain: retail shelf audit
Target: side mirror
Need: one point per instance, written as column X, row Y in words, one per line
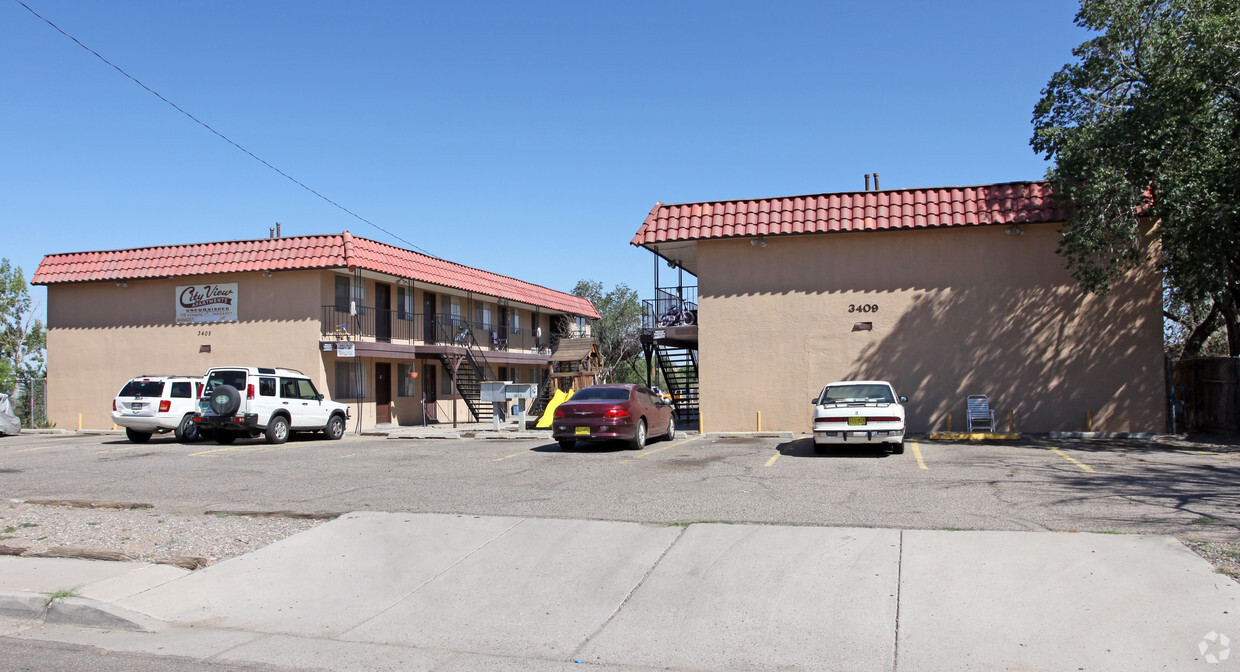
column 814, row 401
column 319, row 396
column 903, row 400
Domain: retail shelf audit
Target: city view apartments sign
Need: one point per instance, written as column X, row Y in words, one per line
column 207, row 303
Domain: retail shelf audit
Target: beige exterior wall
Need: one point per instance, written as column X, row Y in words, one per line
column 101, row 335
column 953, row 312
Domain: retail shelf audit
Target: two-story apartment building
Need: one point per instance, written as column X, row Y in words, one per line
column 401, row 337
column 946, row 292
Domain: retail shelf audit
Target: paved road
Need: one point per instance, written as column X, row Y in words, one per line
column 1038, row 484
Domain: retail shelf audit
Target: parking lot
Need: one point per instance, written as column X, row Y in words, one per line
column 1165, row 486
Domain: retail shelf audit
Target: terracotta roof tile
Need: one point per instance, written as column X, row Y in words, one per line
column 1006, row 203
column 300, row 252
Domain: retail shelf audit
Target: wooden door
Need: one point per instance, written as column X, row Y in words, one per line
column 428, row 318
column 383, row 392
column 383, row 312
column 430, row 387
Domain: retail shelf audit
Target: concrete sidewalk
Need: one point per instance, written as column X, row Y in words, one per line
column 374, row 591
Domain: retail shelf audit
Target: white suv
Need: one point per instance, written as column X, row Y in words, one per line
column 250, row 400
column 150, row 405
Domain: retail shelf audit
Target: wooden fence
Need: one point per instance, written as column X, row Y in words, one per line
column 1206, row 395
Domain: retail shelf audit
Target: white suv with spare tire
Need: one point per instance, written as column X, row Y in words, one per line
column 252, row 401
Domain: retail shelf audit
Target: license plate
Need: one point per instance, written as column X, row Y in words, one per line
column 580, row 431
column 135, row 407
column 856, row 421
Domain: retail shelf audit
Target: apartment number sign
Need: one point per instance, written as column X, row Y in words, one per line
column 216, row 302
column 863, row 307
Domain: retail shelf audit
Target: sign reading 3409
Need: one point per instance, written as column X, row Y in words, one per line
column 863, row 307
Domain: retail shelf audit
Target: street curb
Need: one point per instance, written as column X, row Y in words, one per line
column 1101, row 435
column 77, row 611
column 750, row 435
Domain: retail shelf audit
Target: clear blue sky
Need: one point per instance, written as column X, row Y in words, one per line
column 526, row 138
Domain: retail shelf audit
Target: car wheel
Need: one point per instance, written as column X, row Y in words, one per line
column 567, row 444
column 136, row 436
column 335, row 428
column 897, row 448
column 671, row 428
column 277, row 430
column 225, row 400
column 225, row 436
column 187, row 431
column 639, row 436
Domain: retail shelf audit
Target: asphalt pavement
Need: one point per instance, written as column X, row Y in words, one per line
column 401, row 591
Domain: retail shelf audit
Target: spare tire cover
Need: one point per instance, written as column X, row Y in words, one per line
column 225, row 400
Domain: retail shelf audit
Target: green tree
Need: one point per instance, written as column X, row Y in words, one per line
column 23, row 341
column 1146, row 122
column 619, row 331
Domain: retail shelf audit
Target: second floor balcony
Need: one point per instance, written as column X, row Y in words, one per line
column 398, row 326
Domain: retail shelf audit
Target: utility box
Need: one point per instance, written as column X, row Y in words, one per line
column 493, row 391
column 521, row 390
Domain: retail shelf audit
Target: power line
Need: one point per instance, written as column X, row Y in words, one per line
column 217, row 133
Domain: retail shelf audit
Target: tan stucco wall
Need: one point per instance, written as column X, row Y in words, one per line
column 959, row 312
column 101, row 335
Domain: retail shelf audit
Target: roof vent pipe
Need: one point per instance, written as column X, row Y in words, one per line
column 867, row 181
column 875, row 189
column 278, row 223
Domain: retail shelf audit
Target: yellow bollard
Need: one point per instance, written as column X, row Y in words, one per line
column 1089, row 420
column 1011, row 421
column 759, row 421
column 949, row 421
column 79, row 422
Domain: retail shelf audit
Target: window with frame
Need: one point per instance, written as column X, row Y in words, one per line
column 454, row 310
column 408, row 385
column 445, row 381
column 581, row 327
column 482, row 316
column 346, row 290
column 350, row 380
column 266, row 386
column 404, row 303
column 515, row 318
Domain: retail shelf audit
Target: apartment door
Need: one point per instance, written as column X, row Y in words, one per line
column 430, row 387
column 383, row 392
column 502, row 318
column 428, row 318
column 383, row 312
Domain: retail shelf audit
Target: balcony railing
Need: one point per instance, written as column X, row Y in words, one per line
column 398, row 326
column 671, row 307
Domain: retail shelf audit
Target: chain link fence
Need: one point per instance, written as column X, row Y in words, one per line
column 28, row 399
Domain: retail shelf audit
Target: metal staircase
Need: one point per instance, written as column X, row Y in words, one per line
column 680, row 371
column 469, row 377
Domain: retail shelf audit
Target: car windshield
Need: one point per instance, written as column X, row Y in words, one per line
column 838, row 394
column 142, row 388
column 602, row 394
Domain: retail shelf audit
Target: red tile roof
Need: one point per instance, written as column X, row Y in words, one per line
column 341, row 250
column 1008, row 203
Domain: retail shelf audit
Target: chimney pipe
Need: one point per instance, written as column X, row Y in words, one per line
column 876, row 182
column 271, row 233
column 278, row 223
column 867, row 181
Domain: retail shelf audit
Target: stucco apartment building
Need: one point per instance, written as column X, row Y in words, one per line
column 399, row 336
column 946, row 292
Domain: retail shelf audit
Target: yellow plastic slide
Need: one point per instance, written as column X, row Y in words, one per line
column 558, row 398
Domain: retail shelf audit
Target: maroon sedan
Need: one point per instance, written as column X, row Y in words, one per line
column 613, row 412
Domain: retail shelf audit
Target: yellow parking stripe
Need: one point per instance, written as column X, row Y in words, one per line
column 917, row 453
column 1066, row 456
column 772, row 460
column 500, row 459
column 1207, row 453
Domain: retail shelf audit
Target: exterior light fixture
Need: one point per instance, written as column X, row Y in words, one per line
column 122, row 283
column 1014, row 229
column 267, row 274
column 758, row 242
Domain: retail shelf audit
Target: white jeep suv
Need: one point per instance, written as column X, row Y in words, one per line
column 250, row 400
column 150, row 405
